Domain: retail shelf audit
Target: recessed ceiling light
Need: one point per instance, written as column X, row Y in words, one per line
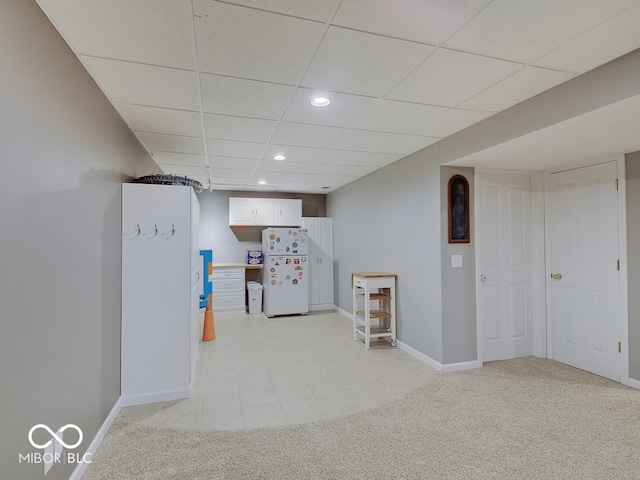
column 262, row 182
column 320, row 101
column 279, row 157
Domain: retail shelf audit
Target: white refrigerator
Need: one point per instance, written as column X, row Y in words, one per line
column 285, row 271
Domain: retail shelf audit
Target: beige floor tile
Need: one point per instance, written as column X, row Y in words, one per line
column 222, row 419
column 303, row 412
column 258, row 397
column 269, row 415
column 265, row 372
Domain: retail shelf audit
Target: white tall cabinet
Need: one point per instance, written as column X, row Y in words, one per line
column 320, row 260
column 161, row 272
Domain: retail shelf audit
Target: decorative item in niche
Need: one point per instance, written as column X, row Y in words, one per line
column 458, row 191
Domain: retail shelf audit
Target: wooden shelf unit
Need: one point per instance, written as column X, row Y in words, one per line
column 380, row 322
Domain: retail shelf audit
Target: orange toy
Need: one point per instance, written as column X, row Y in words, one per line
column 209, row 332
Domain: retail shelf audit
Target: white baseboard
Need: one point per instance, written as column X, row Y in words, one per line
column 130, row 400
column 93, row 446
column 321, row 306
column 450, row 367
column 634, row 383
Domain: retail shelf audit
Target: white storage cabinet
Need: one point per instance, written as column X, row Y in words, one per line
column 228, row 290
column 270, row 212
column 320, row 262
column 161, row 271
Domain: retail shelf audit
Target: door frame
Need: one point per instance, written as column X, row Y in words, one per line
column 539, row 317
column 622, row 256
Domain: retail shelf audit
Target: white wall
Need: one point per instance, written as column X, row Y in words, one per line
column 64, row 154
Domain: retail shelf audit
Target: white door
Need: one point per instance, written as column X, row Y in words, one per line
column 584, row 278
column 505, row 261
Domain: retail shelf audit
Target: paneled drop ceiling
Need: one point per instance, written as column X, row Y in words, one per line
column 216, row 89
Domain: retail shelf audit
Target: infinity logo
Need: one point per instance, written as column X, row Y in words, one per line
column 56, row 437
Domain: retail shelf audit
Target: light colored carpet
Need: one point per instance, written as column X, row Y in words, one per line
column 519, row 419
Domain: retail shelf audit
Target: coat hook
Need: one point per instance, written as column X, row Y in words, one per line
column 135, row 233
column 171, row 233
column 153, row 233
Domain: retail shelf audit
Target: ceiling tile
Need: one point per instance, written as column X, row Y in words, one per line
column 609, row 40
column 450, row 122
column 291, row 152
column 427, row 21
column 362, row 140
column 226, row 127
column 279, row 166
column 160, row 120
column 407, row 144
column 233, row 163
column 521, row 85
column 239, row 174
column 396, row 117
column 249, row 43
column 328, row 180
column 343, row 110
column 448, row 78
column 270, row 177
column 523, row 31
column 344, row 170
column 244, row 98
column 340, row 157
column 318, row 10
column 140, row 84
column 171, row 143
column 289, row 133
column 362, row 63
column 226, row 148
column 184, row 170
column 145, row 31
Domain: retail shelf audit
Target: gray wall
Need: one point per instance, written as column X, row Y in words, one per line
column 633, row 260
column 390, row 221
column 459, row 339
column 230, row 244
column 64, row 153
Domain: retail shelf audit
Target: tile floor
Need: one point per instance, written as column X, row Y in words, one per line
column 265, row 372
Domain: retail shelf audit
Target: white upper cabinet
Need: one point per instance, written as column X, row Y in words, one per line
column 268, row 212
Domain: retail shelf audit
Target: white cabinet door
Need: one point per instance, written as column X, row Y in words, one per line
column 320, row 235
column 325, row 261
column 290, row 212
column 241, row 211
column 266, row 211
column 159, row 292
column 255, row 211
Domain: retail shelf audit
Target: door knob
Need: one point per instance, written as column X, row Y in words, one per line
column 556, row 276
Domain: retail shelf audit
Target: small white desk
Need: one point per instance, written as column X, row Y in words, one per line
column 369, row 287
